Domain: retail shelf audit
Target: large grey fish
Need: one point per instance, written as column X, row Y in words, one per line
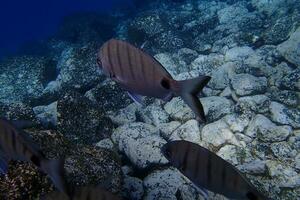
column 141, row 74
column 207, row 170
column 84, row 193
column 15, row 144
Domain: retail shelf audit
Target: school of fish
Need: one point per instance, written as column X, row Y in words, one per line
column 140, row 75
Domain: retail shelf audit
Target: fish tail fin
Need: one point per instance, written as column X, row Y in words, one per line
column 55, row 170
column 189, row 90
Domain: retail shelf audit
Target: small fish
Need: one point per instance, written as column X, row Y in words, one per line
column 84, row 193
column 141, row 74
column 206, row 169
column 15, row 144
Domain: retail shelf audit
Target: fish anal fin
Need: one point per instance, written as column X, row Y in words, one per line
column 136, row 98
column 3, row 164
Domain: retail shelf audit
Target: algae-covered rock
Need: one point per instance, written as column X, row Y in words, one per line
column 80, row 119
column 84, row 165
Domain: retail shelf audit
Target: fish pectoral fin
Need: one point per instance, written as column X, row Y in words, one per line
column 3, row 164
column 136, row 98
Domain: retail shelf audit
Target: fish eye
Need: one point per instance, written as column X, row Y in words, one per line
column 251, row 196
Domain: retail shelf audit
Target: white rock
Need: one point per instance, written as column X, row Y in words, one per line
column 253, row 167
column 216, row 107
column 166, row 129
column 226, row 92
column 246, row 84
column 229, row 153
column 168, row 62
column 106, row 144
column 178, row 110
column 217, row 134
column 238, row 53
column 266, row 130
column 154, row 114
column 237, row 123
column 133, row 187
column 189, row 131
column 165, row 183
column 47, row 114
column 141, row 143
column 284, row 115
column 125, row 115
column 290, row 49
column 256, row 103
column 206, row 64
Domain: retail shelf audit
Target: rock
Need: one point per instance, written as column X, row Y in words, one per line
column 133, row 188
column 256, row 103
column 281, row 70
column 206, row 64
column 290, row 49
column 271, row 7
column 254, row 167
column 282, row 150
column 81, row 120
column 226, row 92
column 84, row 165
column 172, row 65
column 297, row 160
column 287, row 97
column 229, row 153
column 189, row 131
column 109, row 96
column 187, row 55
column 166, row 129
column 125, row 115
column 218, row 134
column 23, row 79
column 283, row 115
column 105, row 144
column 145, row 27
column 236, row 123
column 238, row 53
column 154, row 114
column 220, row 77
column 292, row 80
column 141, row 143
column 246, row 84
column 278, row 170
column 178, row 110
column 216, row 107
column 266, row 130
column 47, row 115
column 165, row 183
column 293, row 182
column 16, row 111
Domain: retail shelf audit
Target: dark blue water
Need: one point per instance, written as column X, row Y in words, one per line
column 25, row 21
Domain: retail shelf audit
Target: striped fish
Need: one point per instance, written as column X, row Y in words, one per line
column 207, row 170
column 16, row 145
column 85, row 193
column 142, row 75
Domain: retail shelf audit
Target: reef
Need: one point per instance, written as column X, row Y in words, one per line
column 249, row 48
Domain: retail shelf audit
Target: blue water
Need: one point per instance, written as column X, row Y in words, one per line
column 26, row 21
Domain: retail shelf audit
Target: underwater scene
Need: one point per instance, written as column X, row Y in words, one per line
column 150, row 100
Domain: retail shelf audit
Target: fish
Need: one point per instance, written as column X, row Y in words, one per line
column 83, row 193
column 142, row 75
column 15, row 144
column 207, row 170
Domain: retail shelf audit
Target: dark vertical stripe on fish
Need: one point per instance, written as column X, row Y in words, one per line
column 197, row 162
column 109, row 60
column 13, row 140
column 209, row 171
column 223, row 174
column 130, row 54
column 184, row 165
column 143, row 65
column 119, row 54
